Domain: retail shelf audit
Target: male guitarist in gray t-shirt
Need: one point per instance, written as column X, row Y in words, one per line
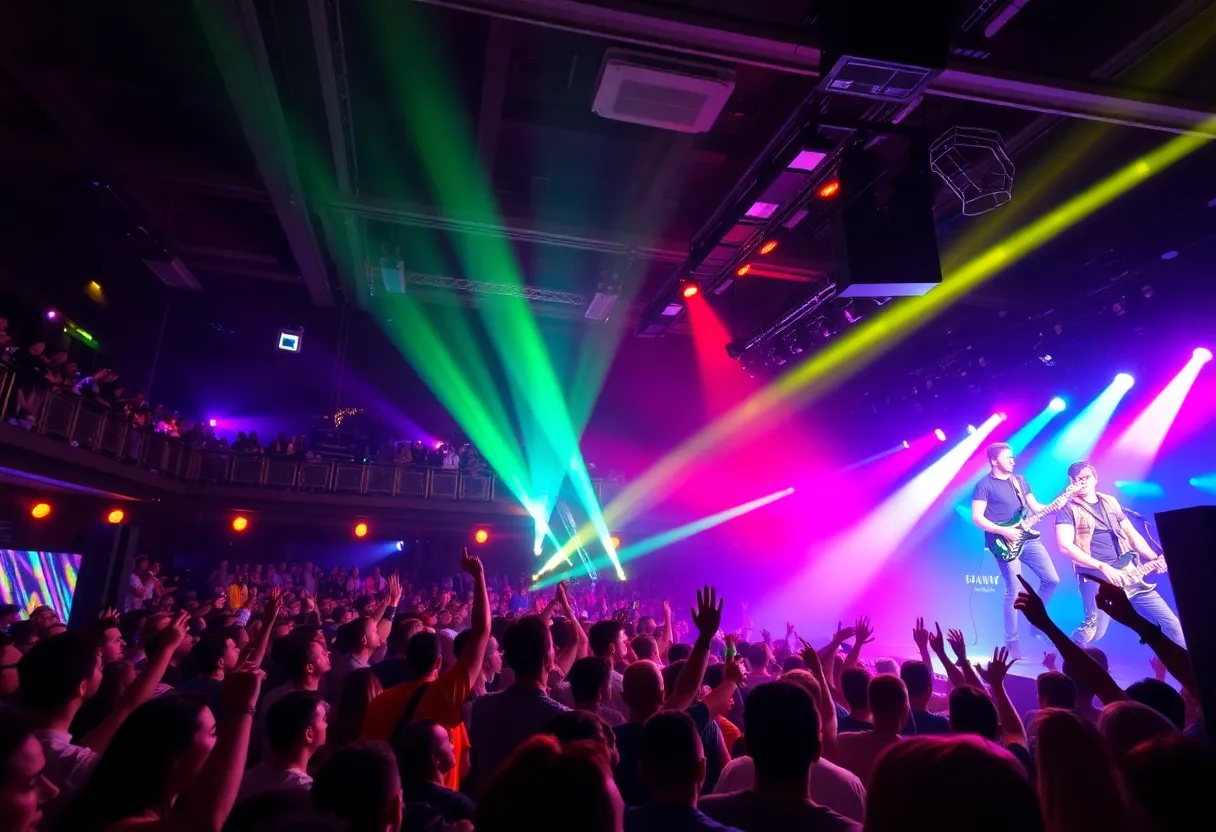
column 997, row 500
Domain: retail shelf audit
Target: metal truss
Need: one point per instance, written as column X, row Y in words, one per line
column 481, row 287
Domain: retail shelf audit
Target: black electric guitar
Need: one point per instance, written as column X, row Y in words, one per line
column 1006, row 550
column 1131, row 581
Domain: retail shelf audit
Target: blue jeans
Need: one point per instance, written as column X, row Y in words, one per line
column 1035, row 557
column 1149, row 604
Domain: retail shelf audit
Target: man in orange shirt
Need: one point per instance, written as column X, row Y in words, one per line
column 429, row 694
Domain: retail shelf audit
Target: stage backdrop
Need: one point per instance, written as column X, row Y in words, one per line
column 34, row 579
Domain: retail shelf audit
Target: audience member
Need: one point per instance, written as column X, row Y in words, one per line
column 858, row 751
column 855, row 690
column 296, row 729
column 1168, row 778
column 575, row 782
column 781, row 723
column 425, row 758
column 987, row 788
column 918, row 679
column 1073, row 767
column 589, row 680
column 24, row 787
column 360, row 785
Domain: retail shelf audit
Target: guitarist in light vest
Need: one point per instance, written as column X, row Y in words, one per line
column 998, row 498
column 1095, row 533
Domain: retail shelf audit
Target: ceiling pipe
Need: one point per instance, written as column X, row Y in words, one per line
column 1007, row 13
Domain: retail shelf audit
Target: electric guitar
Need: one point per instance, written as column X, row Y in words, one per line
column 1008, row 551
column 1131, row 580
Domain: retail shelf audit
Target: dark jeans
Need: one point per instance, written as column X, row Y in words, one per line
column 1035, row 558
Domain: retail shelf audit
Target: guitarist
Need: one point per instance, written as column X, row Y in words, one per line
column 997, row 499
column 1094, row 532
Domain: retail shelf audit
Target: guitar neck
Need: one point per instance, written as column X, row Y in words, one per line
column 1052, row 507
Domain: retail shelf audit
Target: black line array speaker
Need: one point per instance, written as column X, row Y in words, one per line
column 883, row 238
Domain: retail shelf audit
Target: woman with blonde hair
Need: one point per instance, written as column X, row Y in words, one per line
column 1079, row 788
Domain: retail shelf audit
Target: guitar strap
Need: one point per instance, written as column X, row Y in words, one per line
column 1106, row 526
column 1017, row 489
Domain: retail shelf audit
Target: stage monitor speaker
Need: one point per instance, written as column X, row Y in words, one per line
column 885, row 244
column 889, row 50
column 1188, row 538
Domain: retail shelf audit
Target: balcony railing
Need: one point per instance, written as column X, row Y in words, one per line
column 71, row 419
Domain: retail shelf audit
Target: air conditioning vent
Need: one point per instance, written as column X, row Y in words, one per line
column 668, row 94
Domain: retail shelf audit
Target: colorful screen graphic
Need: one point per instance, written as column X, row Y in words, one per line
column 35, row 579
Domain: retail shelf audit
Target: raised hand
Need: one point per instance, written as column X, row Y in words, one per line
column 472, row 565
column 766, row 636
column 1158, row 667
column 789, row 631
column 998, row 668
column 394, row 590
column 563, row 598
column 843, row 634
column 958, row 644
column 180, row 631
column 108, row 612
column 1031, row 605
column 734, row 671
column 920, row 636
column 1049, row 660
column 937, row 643
column 810, row 657
column 273, row 605
column 666, row 610
column 239, row 690
column 707, row 616
column 1114, row 602
column 862, row 630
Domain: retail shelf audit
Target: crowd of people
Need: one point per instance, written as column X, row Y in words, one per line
column 291, row 698
column 41, row 370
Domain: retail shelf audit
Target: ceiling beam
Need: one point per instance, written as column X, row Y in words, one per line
column 786, row 51
column 326, row 20
column 494, row 91
column 235, row 37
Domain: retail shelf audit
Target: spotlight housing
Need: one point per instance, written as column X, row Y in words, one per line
column 361, row 529
column 940, row 434
column 829, row 189
column 615, row 541
column 907, row 444
column 240, row 523
column 743, row 270
column 1057, row 405
column 115, row 516
column 1202, row 354
column 481, row 536
column 1125, row 379
column 768, row 247
column 688, row 289
column 40, row 511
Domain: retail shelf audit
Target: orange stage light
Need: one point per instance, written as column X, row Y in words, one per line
column 829, row 189
column 743, row 270
column 240, row 523
column 481, row 535
column 115, row 517
column 690, row 290
column 616, row 542
column 41, row 511
column 360, row 529
column 768, row 247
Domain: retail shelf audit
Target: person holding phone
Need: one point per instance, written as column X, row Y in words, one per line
column 1095, row 534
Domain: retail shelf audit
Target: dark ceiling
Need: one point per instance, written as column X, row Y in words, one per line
column 268, row 144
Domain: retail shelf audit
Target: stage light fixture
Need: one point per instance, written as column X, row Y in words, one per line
column 616, row 542
column 1057, row 405
column 400, row 545
column 768, row 247
column 115, row 517
column 240, row 523
column 970, row 429
column 212, row 422
column 940, row 434
column 907, row 444
column 360, row 529
column 481, row 535
column 1202, row 354
column 1125, row 380
column 689, row 290
column 40, row 511
column 829, row 189
column 743, row 270
column 51, row 314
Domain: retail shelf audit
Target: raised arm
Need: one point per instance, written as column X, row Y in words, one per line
column 140, row 690
column 665, row 636
column 959, row 645
column 256, row 651
column 827, row 705
column 1089, row 673
column 938, row 644
column 707, row 618
column 206, row 803
column 473, row 654
column 720, row 698
column 862, row 635
column 1177, row 659
column 583, row 645
column 1012, row 729
column 386, row 610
